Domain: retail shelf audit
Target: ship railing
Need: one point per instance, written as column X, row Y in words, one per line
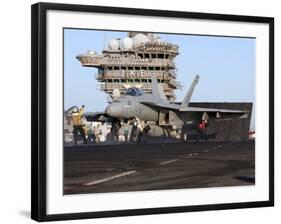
column 151, row 62
column 100, row 60
column 88, row 60
column 144, row 86
column 134, row 74
column 159, row 46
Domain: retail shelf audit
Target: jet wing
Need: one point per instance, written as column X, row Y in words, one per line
column 193, row 109
column 162, row 105
column 214, row 110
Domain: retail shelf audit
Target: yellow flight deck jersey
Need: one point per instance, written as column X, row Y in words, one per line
column 76, row 117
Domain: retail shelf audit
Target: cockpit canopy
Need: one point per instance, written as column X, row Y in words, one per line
column 133, row 91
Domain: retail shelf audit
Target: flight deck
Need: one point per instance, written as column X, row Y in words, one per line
column 101, row 168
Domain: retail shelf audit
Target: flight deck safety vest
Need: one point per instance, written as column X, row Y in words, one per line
column 76, row 117
column 202, row 125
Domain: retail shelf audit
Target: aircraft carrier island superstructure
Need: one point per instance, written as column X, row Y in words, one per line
column 132, row 61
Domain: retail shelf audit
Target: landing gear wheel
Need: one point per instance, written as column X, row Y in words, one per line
column 184, row 137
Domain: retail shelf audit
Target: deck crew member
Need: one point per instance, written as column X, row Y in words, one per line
column 77, row 124
column 202, row 129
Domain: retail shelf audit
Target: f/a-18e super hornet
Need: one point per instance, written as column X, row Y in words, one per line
column 156, row 112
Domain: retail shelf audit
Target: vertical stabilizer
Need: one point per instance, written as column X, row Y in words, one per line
column 188, row 95
column 157, row 90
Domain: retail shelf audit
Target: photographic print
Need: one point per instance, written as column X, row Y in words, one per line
column 126, row 93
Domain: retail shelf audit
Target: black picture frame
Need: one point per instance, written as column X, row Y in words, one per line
column 39, row 108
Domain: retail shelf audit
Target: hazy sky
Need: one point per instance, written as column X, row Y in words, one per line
column 226, row 66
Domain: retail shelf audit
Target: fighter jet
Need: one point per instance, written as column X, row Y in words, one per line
column 162, row 116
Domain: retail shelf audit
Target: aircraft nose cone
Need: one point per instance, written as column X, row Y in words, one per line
column 114, row 110
column 109, row 110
